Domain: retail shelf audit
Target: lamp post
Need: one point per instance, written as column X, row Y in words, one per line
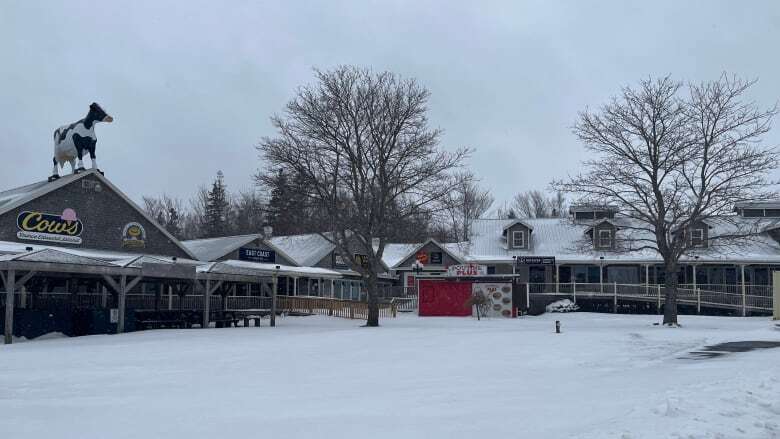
column 275, row 278
column 417, row 267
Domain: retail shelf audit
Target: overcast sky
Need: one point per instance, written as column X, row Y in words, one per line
column 191, row 85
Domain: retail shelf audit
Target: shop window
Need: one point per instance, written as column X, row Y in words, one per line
column 491, row 269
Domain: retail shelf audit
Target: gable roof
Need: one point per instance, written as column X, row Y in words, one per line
column 13, row 198
column 304, row 250
column 211, row 249
column 518, row 221
column 449, row 248
column 600, row 221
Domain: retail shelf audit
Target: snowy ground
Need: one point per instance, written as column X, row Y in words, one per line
column 605, row 376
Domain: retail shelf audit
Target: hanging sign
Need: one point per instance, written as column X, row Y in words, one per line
column 39, row 226
column 536, row 260
column 256, row 254
column 133, row 235
column 467, row 270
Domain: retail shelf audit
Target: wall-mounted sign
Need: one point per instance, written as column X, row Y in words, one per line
column 39, row 226
column 339, row 262
column 133, row 236
column 436, row 258
column 467, row 270
column 256, row 254
column 536, row 260
column 422, row 257
column 361, row 260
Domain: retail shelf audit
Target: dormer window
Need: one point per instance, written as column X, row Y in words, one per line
column 518, row 239
column 605, row 238
column 697, row 237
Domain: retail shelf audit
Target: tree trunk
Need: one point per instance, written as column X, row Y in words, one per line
column 373, row 300
column 670, row 306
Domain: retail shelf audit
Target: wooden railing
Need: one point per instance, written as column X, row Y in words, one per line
column 350, row 309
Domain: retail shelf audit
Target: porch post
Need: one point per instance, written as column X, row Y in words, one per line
column 614, row 293
column 742, row 271
column 10, row 281
column 332, row 291
column 273, row 298
column 295, row 286
column 601, row 278
column 694, row 277
column 557, row 279
column 207, row 305
column 647, row 279
column 121, row 300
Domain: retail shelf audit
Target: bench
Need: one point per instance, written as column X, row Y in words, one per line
column 255, row 318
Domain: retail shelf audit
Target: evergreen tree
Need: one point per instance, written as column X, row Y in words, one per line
column 172, row 225
column 217, row 207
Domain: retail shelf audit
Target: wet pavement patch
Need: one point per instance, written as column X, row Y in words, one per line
column 731, row 347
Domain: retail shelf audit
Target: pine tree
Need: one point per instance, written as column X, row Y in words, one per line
column 217, row 206
column 172, row 225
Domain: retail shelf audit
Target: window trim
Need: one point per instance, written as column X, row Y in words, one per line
column 515, row 234
column 700, row 238
column 600, row 240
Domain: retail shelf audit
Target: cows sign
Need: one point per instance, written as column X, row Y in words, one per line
column 39, row 226
column 466, row 270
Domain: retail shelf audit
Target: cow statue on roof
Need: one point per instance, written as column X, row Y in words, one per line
column 71, row 141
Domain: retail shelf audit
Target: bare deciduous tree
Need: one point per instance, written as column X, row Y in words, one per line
column 536, row 204
column 669, row 156
column 361, row 145
column 464, row 204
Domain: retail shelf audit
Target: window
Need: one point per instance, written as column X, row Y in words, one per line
column 491, row 269
column 518, row 239
column 697, row 237
column 436, row 258
column 605, row 238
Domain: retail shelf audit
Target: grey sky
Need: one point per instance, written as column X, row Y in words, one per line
column 191, row 84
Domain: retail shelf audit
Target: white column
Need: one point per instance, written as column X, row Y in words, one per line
column 332, row 290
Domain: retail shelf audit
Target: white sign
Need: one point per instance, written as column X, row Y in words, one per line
column 499, row 296
column 114, row 318
column 467, row 270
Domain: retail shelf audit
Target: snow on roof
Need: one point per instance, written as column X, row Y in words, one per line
column 116, row 258
column 517, row 221
column 563, row 238
column 253, row 268
column 395, row 253
column 304, row 250
column 13, row 198
column 211, row 249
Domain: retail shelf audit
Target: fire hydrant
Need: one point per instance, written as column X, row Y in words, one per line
column 557, row 326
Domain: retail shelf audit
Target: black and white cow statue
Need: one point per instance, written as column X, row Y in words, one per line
column 71, row 141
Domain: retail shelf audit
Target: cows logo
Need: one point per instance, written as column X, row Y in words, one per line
column 39, row 226
column 133, row 236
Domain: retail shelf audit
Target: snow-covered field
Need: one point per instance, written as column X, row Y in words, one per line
column 605, row 376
